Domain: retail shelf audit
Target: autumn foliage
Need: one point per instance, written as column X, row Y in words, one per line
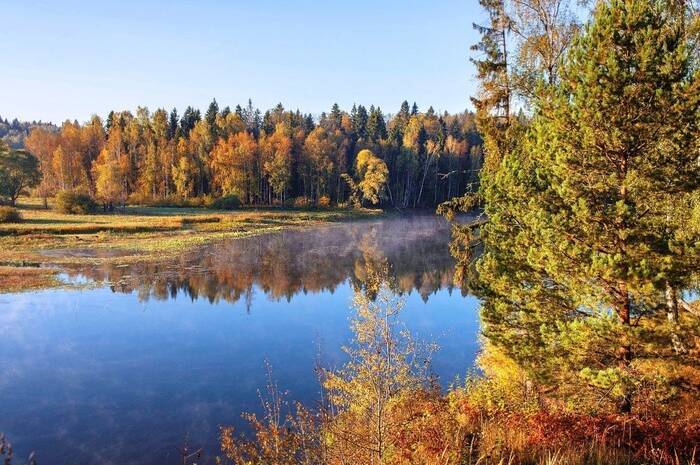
column 156, row 157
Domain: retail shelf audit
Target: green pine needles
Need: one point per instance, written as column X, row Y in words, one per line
column 590, row 237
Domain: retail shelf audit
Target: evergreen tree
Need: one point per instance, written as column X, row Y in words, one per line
column 336, row 116
column 359, row 122
column 109, row 122
column 404, row 112
column 582, row 241
column 353, row 116
column 309, row 124
column 211, row 114
column 173, row 124
column 492, row 68
column 376, row 126
column 189, row 118
column 268, row 124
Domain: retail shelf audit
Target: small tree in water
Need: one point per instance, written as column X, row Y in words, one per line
column 382, row 407
column 385, row 368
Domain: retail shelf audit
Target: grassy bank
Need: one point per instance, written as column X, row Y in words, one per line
column 32, row 251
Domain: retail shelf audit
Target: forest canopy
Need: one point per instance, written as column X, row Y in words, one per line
column 269, row 158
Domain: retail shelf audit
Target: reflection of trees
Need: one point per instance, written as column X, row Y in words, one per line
column 285, row 264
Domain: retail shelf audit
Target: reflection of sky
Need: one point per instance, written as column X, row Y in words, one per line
column 100, row 377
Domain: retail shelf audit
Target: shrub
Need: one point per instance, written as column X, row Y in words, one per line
column 301, row 202
column 75, row 203
column 201, row 201
column 227, row 202
column 9, row 215
column 324, row 201
column 137, row 198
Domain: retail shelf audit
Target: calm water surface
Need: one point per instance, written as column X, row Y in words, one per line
column 155, row 355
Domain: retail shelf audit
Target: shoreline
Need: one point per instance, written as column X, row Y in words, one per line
column 46, row 242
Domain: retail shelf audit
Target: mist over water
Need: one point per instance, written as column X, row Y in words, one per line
column 291, row 262
column 124, row 372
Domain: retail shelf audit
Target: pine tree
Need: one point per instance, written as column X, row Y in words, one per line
column 581, row 241
column 492, row 69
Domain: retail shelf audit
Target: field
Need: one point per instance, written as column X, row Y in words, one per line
column 32, row 252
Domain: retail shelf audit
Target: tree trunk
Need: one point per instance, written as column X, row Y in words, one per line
column 625, row 350
column 672, row 315
column 422, row 183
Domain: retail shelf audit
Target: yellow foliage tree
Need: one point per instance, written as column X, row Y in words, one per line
column 110, row 172
column 373, row 174
column 276, row 151
column 384, row 369
column 232, row 165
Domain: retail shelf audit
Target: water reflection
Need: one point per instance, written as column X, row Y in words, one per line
column 120, row 374
column 294, row 262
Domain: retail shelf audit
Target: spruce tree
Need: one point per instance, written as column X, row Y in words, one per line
column 359, row 121
column 189, row 118
column 210, row 115
column 108, row 122
column 376, row 126
column 404, row 111
column 173, row 124
column 336, row 116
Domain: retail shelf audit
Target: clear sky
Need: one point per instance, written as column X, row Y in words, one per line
column 70, row 59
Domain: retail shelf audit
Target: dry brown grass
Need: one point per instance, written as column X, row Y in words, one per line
column 16, row 279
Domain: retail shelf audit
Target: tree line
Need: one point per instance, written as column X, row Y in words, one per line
column 14, row 132
column 410, row 159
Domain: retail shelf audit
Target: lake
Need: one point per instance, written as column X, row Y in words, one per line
column 155, row 355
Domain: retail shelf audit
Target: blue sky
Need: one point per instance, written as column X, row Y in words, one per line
column 71, row 59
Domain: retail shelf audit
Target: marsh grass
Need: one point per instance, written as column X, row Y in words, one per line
column 15, row 279
column 135, row 234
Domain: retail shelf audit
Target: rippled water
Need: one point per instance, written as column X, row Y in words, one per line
column 164, row 353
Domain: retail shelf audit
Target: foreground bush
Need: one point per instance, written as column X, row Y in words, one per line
column 75, row 203
column 228, row 202
column 384, row 407
column 9, row 215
